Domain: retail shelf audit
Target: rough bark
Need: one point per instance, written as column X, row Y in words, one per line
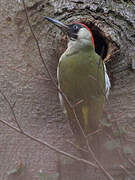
column 23, row 79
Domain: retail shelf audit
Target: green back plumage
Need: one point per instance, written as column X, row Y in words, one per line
column 81, row 77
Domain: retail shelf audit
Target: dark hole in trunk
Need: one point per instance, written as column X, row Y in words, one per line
column 101, row 45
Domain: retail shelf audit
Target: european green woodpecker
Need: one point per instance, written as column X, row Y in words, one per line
column 82, row 76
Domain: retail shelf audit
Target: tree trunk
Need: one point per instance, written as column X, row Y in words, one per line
column 24, row 80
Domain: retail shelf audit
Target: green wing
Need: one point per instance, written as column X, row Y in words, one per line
column 81, row 77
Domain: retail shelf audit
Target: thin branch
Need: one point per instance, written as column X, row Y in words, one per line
column 11, row 108
column 94, row 133
column 37, row 43
column 49, row 145
column 132, row 2
column 130, row 140
column 131, row 162
column 77, row 147
column 98, row 162
column 79, row 102
column 101, row 90
column 13, row 105
column 126, row 171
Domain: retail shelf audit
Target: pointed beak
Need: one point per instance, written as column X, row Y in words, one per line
column 59, row 24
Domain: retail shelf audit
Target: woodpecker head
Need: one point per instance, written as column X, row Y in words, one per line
column 77, row 33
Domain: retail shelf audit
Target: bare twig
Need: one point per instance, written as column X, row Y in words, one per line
column 13, row 105
column 131, row 162
column 130, row 140
column 132, row 2
column 98, row 163
column 120, row 138
column 117, row 149
column 126, row 171
column 49, row 145
column 94, row 133
column 11, row 108
column 77, row 147
column 101, row 90
column 79, row 102
column 37, row 43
